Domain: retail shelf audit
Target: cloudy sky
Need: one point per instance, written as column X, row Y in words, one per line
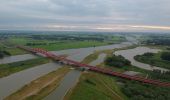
column 85, row 15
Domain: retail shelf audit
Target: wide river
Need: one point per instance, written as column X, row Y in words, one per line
column 15, row 81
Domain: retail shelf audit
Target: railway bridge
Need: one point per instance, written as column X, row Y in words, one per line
column 106, row 71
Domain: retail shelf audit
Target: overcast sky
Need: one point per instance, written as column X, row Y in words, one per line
column 88, row 15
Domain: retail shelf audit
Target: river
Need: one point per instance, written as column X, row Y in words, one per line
column 15, row 81
column 131, row 53
column 70, row 80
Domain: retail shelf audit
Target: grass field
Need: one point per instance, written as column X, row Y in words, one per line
column 63, row 44
column 154, row 60
column 15, row 51
column 11, row 49
column 8, row 69
column 93, row 86
column 71, row 44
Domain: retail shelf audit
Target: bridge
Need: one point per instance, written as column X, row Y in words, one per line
column 106, row 71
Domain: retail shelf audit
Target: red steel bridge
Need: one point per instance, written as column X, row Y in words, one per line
column 66, row 61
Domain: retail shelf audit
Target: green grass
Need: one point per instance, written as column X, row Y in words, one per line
column 15, row 51
column 7, row 69
column 71, row 44
column 118, row 38
column 21, row 41
column 63, row 44
column 93, row 86
column 11, row 50
column 138, row 91
column 154, row 60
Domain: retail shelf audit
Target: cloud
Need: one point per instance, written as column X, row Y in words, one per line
column 29, row 13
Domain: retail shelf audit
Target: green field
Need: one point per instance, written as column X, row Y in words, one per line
column 10, row 48
column 154, row 60
column 93, row 86
column 60, row 42
column 72, row 44
column 7, row 69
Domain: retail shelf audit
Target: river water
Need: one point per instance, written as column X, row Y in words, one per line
column 17, row 58
column 15, row 81
column 99, row 60
column 131, row 53
column 70, row 80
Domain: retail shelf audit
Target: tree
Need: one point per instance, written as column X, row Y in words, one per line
column 117, row 61
column 165, row 56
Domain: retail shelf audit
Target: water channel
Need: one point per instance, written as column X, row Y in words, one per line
column 70, row 81
column 131, row 53
column 15, row 81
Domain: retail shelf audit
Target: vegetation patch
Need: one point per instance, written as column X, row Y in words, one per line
column 117, row 61
column 41, row 87
column 10, row 68
column 4, row 53
column 160, row 59
column 93, row 86
column 165, row 56
column 137, row 91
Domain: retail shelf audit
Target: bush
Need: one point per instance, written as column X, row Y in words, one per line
column 1, row 55
column 118, row 61
column 165, row 56
column 138, row 91
column 6, row 53
column 148, row 54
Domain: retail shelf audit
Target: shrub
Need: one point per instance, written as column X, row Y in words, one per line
column 165, row 56
column 118, row 61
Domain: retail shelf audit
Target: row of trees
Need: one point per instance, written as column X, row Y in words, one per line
column 158, row 39
column 34, row 44
column 66, row 37
column 157, row 74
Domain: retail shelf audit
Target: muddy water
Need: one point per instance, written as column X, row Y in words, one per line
column 78, row 54
column 16, row 58
column 131, row 53
column 70, row 80
column 15, row 81
column 99, row 60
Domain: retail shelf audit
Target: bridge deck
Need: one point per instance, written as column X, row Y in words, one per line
column 94, row 68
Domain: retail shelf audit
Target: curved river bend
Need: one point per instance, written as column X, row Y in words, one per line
column 131, row 53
